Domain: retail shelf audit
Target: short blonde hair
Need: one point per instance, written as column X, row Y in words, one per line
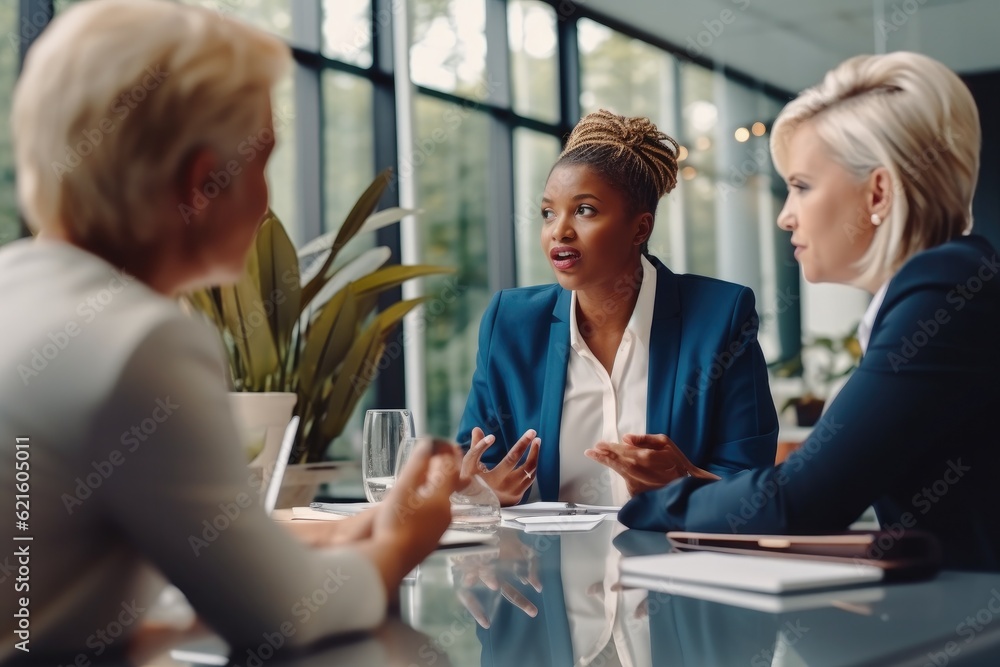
column 115, row 96
column 911, row 115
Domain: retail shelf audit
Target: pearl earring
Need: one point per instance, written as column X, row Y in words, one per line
column 876, row 220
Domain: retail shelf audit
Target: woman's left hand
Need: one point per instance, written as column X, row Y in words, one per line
column 646, row 462
column 335, row 533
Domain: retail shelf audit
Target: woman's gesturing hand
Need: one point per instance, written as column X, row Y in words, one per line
column 646, row 462
column 508, row 480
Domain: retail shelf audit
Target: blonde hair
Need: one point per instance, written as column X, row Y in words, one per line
column 115, row 96
column 911, row 115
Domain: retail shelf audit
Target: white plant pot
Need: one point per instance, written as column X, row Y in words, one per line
column 261, row 419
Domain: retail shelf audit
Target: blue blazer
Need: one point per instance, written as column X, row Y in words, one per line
column 913, row 432
column 707, row 388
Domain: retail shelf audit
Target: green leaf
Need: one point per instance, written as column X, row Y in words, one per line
column 202, row 301
column 246, row 321
column 231, row 317
column 355, row 374
column 392, row 276
column 822, row 342
column 355, row 269
column 358, row 373
column 330, row 338
column 385, row 218
column 355, row 219
column 366, row 304
column 391, row 316
column 375, row 221
column 279, row 282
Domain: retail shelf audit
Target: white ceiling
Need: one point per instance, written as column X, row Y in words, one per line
column 792, row 43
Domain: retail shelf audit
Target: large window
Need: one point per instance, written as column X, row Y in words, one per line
column 451, row 174
column 512, row 110
column 630, row 77
column 272, row 15
column 699, row 123
column 534, row 72
column 448, row 49
column 534, row 155
column 534, row 59
column 347, row 31
column 348, row 142
column 281, row 167
column 497, row 85
column 719, row 221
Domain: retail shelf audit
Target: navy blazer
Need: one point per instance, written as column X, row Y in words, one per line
column 914, row 431
column 707, row 387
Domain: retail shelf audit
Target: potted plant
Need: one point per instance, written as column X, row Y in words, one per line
column 821, row 363
column 307, row 336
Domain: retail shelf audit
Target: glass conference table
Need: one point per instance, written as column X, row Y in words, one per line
column 553, row 600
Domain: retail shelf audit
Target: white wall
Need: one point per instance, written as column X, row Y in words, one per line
column 831, row 310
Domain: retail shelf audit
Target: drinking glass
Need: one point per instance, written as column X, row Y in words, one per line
column 474, row 507
column 385, row 432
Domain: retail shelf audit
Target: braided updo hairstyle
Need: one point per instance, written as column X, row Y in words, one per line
column 631, row 153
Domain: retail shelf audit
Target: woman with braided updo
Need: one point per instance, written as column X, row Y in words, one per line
column 623, row 376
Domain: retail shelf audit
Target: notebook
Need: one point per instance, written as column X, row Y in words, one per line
column 759, row 574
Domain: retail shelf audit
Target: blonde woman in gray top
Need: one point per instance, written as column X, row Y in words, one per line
column 125, row 115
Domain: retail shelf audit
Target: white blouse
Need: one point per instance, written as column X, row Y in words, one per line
column 868, row 319
column 598, row 406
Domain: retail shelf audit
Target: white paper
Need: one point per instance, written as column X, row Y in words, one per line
column 451, row 537
column 555, row 509
column 556, row 523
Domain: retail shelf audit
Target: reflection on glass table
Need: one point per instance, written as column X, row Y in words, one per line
column 554, row 600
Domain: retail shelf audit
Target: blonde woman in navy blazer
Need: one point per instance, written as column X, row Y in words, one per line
column 881, row 161
column 708, row 409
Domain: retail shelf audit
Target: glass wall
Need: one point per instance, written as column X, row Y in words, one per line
column 281, row 167
column 272, row 15
column 490, row 111
column 534, row 155
column 533, row 41
column 348, row 142
column 630, row 77
column 534, row 59
column 448, row 45
column 450, row 167
column 699, row 122
column 347, row 31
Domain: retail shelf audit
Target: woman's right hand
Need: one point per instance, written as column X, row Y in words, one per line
column 410, row 520
column 508, row 480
